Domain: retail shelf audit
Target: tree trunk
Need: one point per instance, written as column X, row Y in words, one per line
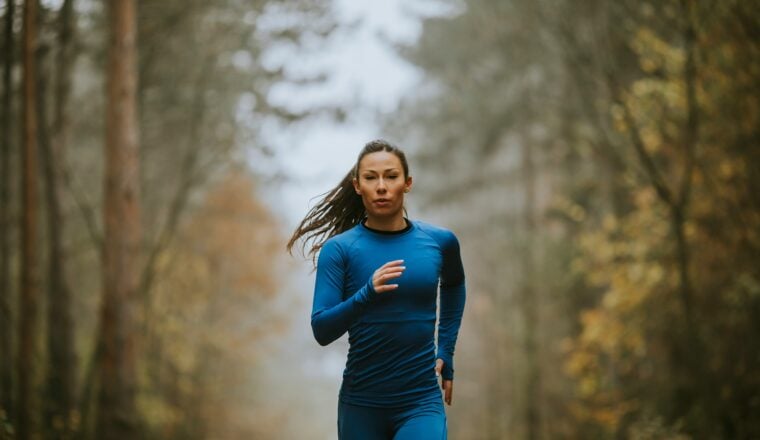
column 28, row 300
column 117, row 414
column 528, row 297
column 61, row 357
column 6, row 317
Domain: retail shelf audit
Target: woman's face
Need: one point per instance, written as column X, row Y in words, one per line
column 382, row 184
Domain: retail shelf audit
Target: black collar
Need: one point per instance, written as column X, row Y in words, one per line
column 400, row 231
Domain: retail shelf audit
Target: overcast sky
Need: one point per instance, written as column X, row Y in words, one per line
column 364, row 73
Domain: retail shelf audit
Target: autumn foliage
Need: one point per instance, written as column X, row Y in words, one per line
column 210, row 314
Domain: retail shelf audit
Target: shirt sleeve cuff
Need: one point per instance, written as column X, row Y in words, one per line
column 448, row 366
column 367, row 293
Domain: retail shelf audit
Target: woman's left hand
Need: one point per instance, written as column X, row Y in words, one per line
column 446, row 385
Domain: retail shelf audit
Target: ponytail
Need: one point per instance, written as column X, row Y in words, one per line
column 340, row 209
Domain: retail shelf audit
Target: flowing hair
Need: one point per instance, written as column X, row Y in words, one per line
column 341, row 208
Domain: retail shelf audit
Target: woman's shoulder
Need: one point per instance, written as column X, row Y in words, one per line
column 443, row 236
column 334, row 248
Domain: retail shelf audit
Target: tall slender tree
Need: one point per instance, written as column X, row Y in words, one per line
column 61, row 371
column 528, row 292
column 117, row 413
column 6, row 317
column 28, row 300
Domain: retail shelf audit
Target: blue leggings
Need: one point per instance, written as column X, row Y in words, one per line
column 426, row 421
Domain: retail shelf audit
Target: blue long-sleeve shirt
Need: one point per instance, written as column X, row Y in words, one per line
column 392, row 351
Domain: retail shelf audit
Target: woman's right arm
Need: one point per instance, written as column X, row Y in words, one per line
column 331, row 316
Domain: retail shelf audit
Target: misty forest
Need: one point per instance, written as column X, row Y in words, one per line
column 599, row 162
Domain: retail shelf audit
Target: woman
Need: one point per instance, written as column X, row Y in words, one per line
column 377, row 279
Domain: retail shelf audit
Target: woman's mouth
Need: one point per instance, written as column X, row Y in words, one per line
column 382, row 202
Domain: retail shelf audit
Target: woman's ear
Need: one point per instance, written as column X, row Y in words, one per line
column 356, row 185
column 408, row 185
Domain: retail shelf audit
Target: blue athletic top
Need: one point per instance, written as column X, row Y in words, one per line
column 391, row 334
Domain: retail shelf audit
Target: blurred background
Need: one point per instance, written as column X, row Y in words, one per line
column 598, row 160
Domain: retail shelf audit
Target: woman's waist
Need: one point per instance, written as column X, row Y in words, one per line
column 390, row 373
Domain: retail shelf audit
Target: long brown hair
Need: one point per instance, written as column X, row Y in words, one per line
column 341, row 208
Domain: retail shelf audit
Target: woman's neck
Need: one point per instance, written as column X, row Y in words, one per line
column 396, row 223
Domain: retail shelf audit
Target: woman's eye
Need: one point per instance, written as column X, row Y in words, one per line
column 369, row 177
column 392, row 177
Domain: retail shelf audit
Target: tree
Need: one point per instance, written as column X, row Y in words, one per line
column 528, row 296
column 6, row 147
column 61, row 386
column 117, row 413
column 29, row 284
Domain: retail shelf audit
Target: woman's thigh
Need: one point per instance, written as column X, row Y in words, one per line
column 425, row 422
column 363, row 423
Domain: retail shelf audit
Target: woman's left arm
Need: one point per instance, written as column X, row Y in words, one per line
column 453, row 294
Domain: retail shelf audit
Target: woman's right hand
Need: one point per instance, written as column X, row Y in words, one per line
column 387, row 272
